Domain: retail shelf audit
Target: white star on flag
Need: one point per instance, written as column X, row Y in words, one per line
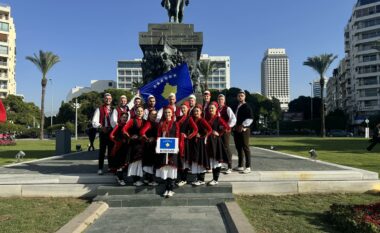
column 155, row 86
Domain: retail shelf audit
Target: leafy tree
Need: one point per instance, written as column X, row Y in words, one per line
column 321, row 64
column 44, row 62
column 20, row 112
column 303, row 104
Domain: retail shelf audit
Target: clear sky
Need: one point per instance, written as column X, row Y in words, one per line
column 90, row 36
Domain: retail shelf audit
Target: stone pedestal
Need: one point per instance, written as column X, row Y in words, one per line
column 180, row 36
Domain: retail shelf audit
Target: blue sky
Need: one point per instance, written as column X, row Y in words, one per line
column 90, row 36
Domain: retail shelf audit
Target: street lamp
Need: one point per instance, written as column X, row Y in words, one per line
column 76, row 106
column 51, row 116
column 311, row 101
column 366, row 129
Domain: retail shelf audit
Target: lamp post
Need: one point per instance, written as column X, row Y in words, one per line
column 51, row 116
column 76, row 106
column 311, row 101
column 366, row 128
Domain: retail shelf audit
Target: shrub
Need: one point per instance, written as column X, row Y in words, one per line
column 355, row 218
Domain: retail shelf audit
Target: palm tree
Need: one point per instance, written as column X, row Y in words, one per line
column 206, row 68
column 321, row 64
column 44, row 62
column 136, row 85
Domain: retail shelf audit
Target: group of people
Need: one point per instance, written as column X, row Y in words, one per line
column 129, row 133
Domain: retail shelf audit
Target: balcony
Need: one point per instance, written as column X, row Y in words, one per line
column 3, row 64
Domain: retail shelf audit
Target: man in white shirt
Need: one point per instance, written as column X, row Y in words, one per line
column 102, row 121
column 228, row 116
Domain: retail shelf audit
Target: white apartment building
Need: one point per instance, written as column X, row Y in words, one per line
column 359, row 72
column 275, row 76
column 221, row 77
column 96, row 85
column 7, row 52
column 317, row 88
column 129, row 71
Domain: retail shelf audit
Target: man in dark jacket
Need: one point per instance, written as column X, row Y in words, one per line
column 242, row 132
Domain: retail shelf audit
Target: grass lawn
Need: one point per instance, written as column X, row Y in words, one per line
column 345, row 151
column 36, row 149
column 298, row 213
column 32, row 215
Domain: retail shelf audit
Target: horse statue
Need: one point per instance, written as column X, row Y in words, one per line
column 175, row 9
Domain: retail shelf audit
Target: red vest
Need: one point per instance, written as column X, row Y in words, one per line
column 121, row 111
column 223, row 113
column 104, row 116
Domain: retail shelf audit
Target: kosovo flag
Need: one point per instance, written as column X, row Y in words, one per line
column 175, row 81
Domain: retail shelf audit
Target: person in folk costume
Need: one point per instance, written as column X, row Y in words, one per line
column 215, row 149
column 119, row 150
column 172, row 101
column 206, row 102
column 228, row 116
column 102, row 121
column 137, row 102
column 242, row 132
column 149, row 135
column 135, row 146
column 151, row 106
column 167, row 166
column 192, row 104
column 123, row 107
column 200, row 161
column 188, row 130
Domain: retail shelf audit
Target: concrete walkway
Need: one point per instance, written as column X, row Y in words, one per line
column 160, row 220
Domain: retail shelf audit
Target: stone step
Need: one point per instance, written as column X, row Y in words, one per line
column 179, row 199
column 131, row 190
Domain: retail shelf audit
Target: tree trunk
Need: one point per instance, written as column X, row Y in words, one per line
column 323, row 127
column 43, row 84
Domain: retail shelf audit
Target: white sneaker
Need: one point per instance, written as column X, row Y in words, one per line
column 165, row 193
column 212, row 183
column 122, row 183
column 100, row 172
column 146, row 181
column 228, row 171
column 198, row 183
column 246, row 171
column 153, row 183
column 170, row 193
column 181, row 183
column 138, row 183
column 209, row 171
column 239, row 169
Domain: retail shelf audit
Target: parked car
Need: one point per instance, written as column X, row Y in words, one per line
column 339, row 133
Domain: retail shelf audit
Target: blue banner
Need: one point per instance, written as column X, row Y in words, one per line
column 175, row 81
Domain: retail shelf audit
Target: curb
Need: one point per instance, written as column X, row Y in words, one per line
column 80, row 222
column 236, row 221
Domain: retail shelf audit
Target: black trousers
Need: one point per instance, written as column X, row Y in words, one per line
column 104, row 143
column 169, row 184
column 226, row 146
column 242, row 145
column 373, row 144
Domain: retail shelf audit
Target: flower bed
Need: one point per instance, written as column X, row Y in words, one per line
column 355, row 218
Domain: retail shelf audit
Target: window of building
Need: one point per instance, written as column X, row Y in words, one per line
column 121, row 80
column 370, row 103
column 4, row 27
column 128, row 85
column 121, row 72
column 135, row 72
column 121, row 86
column 3, row 49
column 128, row 72
column 110, row 84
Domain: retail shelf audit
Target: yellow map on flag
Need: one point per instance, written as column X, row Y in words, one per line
column 169, row 89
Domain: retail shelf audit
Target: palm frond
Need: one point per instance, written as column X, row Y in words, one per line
column 320, row 63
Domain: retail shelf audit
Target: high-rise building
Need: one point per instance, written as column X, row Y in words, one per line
column 7, row 52
column 359, row 72
column 275, row 76
column 96, row 85
column 129, row 71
